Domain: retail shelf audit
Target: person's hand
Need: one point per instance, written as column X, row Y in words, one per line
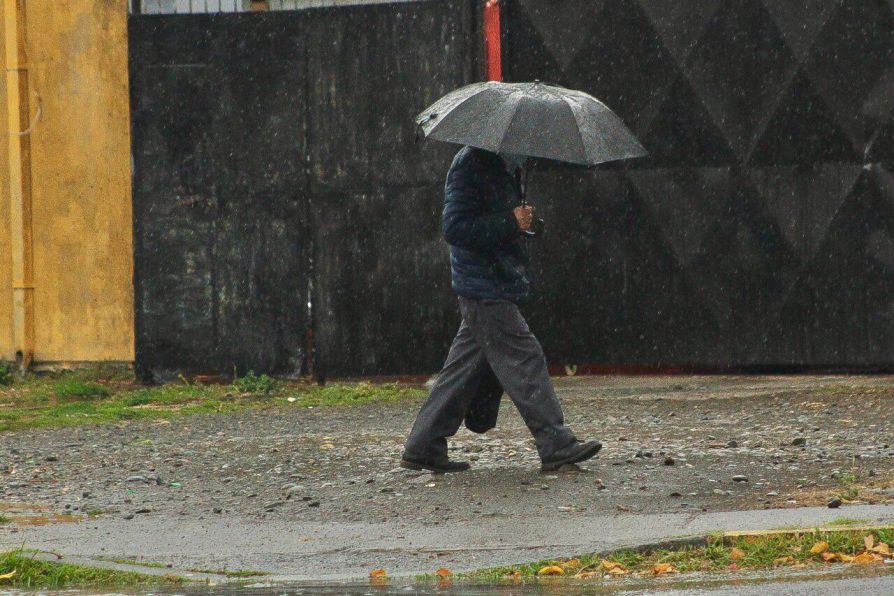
column 524, row 216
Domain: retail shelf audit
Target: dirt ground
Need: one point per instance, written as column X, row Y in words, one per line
column 671, row 444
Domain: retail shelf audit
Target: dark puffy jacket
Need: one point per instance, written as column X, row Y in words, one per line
column 488, row 254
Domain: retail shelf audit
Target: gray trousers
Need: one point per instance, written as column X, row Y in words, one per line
column 492, row 332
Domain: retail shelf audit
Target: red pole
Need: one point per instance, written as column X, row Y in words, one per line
column 492, row 51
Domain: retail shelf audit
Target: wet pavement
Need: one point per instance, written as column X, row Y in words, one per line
column 300, row 492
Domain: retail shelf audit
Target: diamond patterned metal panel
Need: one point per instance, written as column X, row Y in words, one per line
column 764, row 216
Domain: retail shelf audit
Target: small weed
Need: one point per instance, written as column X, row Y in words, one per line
column 4, row 519
column 847, row 478
column 6, row 373
column 252, row 383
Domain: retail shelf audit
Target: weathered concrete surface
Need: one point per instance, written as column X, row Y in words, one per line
column 334, row 550
column 317, row 492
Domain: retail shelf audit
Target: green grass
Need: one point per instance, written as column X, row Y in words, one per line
column 4, row 519
column 761, row 552
column 33, row 574
column 360, row 393
column 150, row 564
column 85, row 397
column 847, row 521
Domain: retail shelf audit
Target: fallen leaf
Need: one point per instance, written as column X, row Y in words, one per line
column 782, row 560
column 829, row 557
column 571, row 563
column 662, row 568
column 514, row 575
column 8, row 575
column 617, row 571
column 868, row 541
column 377, row 573
column 613, row 568
column 606, row 565
column 845, row 558
column 327, row 446
column 444, row 572
column 736, row 553
column 866, row 558
column 882, row 549
column 819, row 548
column 551, row 570
column 733, row 567
column 587, row 574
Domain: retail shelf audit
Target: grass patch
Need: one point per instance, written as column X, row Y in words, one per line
column 84, row 397
column 150, row 564
column 31, row 573
column 720, row 554
column 4, row 519
column 80, row 389
column 355, row 394
column 235, row 574
column 847, row 521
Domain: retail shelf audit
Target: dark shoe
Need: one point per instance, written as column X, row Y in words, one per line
column 574, row 453
column 438, row 466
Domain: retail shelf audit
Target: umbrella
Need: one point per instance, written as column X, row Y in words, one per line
column 532, row 119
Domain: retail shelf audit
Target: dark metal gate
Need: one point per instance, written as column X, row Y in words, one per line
column 274, row 167
column 760, row 233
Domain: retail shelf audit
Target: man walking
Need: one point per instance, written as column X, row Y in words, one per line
column 484, row 224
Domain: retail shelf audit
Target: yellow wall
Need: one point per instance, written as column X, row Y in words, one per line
column 6, row 345
column 83, row 257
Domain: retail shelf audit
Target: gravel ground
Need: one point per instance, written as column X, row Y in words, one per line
column 707, row 443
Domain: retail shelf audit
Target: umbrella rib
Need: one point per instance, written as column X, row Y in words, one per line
column 580, row 135
column 522, row 98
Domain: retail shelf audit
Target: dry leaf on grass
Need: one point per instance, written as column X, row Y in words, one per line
column 882, row 549
column 444, row 572
column 570, row 563
column 662, row 568
column 377, row 573
column 514, row 575
column 736, row 553
column 868, row 541
column 8, row 575
column 845, row 558
column 830, row 557
column 866, row 558
column 819, row 548
column 783, row 561
column 613, row 568
column 733, row 567
column 551, row 570
column 587, row 574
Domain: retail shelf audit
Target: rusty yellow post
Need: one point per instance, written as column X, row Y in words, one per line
column 19, row 182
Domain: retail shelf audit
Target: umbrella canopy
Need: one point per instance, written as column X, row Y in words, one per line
column 533, row 119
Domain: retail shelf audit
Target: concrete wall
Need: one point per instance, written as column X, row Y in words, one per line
column 83, row 257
